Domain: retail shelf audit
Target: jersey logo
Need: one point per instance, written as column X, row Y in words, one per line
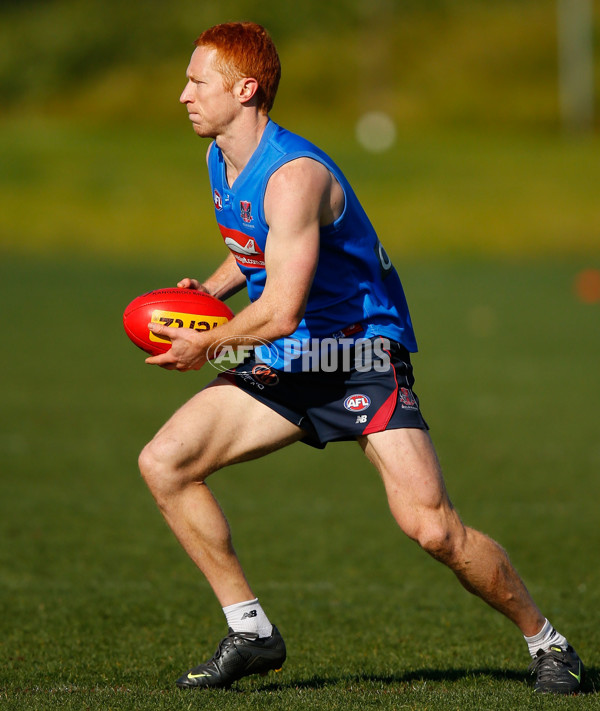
column 246, row 210
column 357, row 402
column 246, row 251
column 248, row 248
column 218, row 200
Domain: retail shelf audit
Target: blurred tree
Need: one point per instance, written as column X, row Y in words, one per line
column 421, row 60
column 576, row 63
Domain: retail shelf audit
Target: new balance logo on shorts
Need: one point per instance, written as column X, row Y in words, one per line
column 252, row 613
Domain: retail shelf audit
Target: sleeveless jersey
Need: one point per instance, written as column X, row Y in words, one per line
column 356, row 292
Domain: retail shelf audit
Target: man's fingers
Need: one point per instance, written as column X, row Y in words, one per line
column 159, row 329
column 188, row 283
column 165, row 360
column 179, row 356
column 158, row 360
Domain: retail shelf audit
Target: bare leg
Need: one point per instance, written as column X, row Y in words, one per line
column 221, row 425
column 408, row 465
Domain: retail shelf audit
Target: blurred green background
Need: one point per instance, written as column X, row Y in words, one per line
column 489, row 204
column 97, row 154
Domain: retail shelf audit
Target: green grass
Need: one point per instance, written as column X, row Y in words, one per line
column 100, row 609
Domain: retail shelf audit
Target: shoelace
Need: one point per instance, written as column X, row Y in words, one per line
column 228, row 641
column 547, row 663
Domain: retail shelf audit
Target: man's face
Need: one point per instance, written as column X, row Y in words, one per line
column 209, row 106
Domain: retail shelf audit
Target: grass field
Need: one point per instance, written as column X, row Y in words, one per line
column 100, row 609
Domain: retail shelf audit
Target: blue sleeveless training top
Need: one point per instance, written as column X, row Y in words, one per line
column 356, row 291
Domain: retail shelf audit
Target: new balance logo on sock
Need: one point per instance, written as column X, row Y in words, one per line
column 252, row 613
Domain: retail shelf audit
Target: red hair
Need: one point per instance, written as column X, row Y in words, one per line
column 245, row 49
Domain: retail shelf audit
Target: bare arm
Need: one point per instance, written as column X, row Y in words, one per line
column 297, row 196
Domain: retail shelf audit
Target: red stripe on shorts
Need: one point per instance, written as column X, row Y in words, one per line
column 383, row 415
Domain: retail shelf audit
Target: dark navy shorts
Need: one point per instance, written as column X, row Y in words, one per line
column 339, row 405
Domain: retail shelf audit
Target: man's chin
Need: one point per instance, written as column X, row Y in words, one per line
column 202, row 132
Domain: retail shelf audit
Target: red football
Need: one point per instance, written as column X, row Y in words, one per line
column 176, row 308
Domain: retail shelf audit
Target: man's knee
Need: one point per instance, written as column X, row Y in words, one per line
column 153, row 469
column 164, row 468
column 442, row 538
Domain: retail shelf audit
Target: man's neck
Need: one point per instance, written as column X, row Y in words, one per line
column 238, row 145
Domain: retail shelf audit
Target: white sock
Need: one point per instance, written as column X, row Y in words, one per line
column 547, row 637
column 248, row 616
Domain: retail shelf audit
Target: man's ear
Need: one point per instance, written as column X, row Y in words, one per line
column 247, row 88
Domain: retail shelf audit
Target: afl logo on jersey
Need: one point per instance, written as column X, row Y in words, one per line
column 218, row 200
column 357, row 402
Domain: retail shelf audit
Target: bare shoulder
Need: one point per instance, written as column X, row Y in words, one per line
column 307, row 185
column 300, row 174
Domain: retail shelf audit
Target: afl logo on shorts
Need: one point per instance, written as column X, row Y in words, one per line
column 264, row 375
column 357, row 402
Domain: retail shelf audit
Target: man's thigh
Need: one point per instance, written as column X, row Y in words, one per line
column 221, row 425
column 409, row 468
